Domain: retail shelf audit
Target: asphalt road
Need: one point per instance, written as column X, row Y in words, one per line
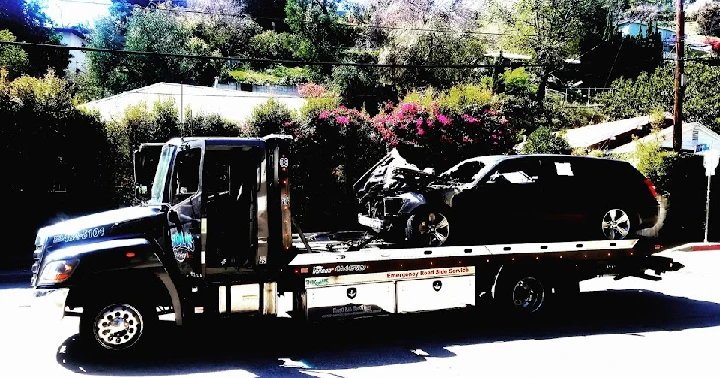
column 630, row 327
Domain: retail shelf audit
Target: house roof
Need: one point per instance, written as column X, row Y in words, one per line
column 230, row 104
column 71, row 31
column 644, row 24
column 587, row 136
column 690, row 139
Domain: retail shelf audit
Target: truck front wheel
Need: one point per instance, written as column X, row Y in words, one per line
column 117, row 325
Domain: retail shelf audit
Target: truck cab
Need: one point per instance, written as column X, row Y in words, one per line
column 216, row 215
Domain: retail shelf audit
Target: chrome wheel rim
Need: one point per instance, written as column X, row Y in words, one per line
column 118, row 326
column 434, row 228
column 616, row 224
column 528, row 295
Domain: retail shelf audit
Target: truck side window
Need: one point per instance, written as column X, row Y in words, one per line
column 186, row 178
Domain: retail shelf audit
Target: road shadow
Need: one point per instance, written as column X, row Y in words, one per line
column 281, row 348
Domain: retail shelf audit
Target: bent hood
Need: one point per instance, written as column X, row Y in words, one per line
column 91, row 226
column 394, row 168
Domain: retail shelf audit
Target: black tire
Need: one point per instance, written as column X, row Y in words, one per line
column 421, row 231
column 521, row 293
column 135, row 322
column 616, row 223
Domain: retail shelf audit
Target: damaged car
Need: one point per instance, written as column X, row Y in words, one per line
column 506, row 199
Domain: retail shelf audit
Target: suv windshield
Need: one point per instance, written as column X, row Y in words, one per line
column 158, row 189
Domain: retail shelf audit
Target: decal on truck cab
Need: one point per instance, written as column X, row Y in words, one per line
column 183, row 244
column 88, row 233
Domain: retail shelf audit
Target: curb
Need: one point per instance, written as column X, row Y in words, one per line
column 696, row 247
column 705, row 247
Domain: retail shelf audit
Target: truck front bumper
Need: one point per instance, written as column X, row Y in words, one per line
column 50, row 302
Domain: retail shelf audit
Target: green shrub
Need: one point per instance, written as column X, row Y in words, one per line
column 653, row 161
column 268, row 118
column 544, row 141
column 315, row 105
column 279, row 75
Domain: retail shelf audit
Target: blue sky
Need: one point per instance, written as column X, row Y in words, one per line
column 73, row 12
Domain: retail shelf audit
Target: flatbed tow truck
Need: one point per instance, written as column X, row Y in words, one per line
column 216, row 239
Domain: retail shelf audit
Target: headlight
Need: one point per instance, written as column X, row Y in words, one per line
column 57, row 271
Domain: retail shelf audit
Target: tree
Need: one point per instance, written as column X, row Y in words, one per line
column 432, row 48
column 362, row 87
column 12, row 58
column 270, row 14
column 650, row 91
column 708, row 19
column 427, row 33
column 26, row 20
column 223, row 25
column 550, row 30
column 147, row 3
column 216, row 29
column 57, row 156
column 161, row 32
column 317, row 23
column 107, row 72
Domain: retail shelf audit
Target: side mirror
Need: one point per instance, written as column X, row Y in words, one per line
column 174, row 217
column 142, row 192
column 145, row 161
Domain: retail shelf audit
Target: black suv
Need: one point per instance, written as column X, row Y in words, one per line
column 506, row 199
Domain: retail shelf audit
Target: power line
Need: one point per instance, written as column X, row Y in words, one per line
column 255, row 60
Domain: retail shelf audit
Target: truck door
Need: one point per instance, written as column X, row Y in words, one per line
column 230, row 181
column 184, row 215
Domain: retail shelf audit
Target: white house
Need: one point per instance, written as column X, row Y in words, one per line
column 74, row 38
column 668, row 37
column 693, row 133
column 232, row 105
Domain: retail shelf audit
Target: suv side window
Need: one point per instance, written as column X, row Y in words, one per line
column 518, row 171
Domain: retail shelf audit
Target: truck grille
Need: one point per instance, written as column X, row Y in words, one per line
column 37, row 257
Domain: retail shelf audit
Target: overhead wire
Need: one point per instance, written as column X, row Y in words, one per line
column 257, row 60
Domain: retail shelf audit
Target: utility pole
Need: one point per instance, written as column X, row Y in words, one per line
column 679, row 73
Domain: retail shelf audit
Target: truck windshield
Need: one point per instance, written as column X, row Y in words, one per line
column 157, row 195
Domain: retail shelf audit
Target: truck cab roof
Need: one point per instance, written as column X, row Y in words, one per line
column 227, row 141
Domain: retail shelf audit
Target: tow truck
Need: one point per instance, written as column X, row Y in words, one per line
column 216, row 239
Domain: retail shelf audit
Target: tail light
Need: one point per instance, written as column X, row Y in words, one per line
column 651, row 186
column 284, row 178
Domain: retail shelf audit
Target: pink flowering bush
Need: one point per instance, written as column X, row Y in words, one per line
column 311, row 90
column 334, row 146
column 447, row 137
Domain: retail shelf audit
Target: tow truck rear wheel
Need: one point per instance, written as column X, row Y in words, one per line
column 520, row 292
column 120, row 325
